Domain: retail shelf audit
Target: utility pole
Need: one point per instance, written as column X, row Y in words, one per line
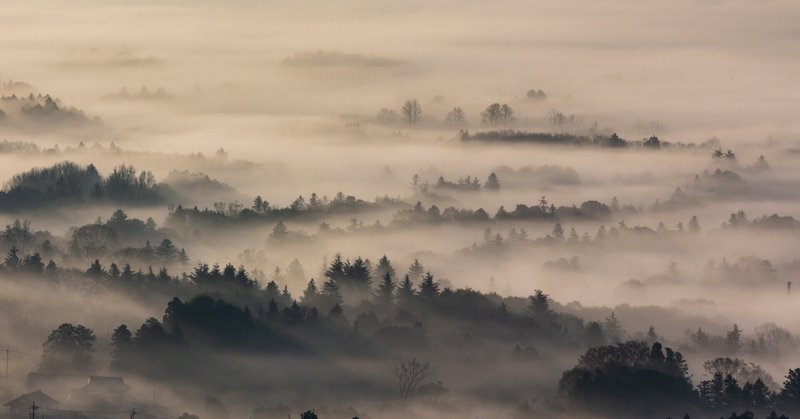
column 7, row 351
column 789, row 288
column 34, row 408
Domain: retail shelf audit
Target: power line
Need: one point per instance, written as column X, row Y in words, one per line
column 24, row 353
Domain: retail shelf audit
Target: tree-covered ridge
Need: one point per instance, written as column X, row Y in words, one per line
column 547, row 138
column 41, row 110
column 261, row 211
column 69, row 183
column 225, row 310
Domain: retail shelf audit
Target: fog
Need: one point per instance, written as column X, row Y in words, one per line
column 586, row 183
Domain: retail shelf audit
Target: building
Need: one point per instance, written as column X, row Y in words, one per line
column 100, row 392
column 20, row 407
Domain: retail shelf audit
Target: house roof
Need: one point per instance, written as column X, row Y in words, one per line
column 103, row 384
column 62, row 414
column 34, row 397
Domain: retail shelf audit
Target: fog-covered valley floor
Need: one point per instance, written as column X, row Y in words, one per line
column 513, row 209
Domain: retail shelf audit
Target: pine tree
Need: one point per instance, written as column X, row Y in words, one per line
column 127, row 272
column 335, row 272
column 492, row 183
column 96, row 269
column 12, row 260
column 121, row 346
column 405, row 291
column 166, row 251
column 358, row 275
column 416, row 270
column 384, row 266
column 539, row 305
column 52, row 269
column 113, row 270
column 613, row 330
column 428, row 287
column 279, row 233
column 310, row 294
column 295, row 273
column 183, row 258
column 651, row 335
column 791, row 387
column 330, row 289
column 732, row 339
column 272, row 291
column 694, row 225
column 558, row 232
column 386, row 289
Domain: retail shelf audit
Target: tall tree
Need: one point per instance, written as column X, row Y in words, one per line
column 428, row 287
column 405, row 291
column 68, row 349
column 492, row 183
column 384, row 266
column 166, row 251
column 295, row 273
column 412, row 111
column 415, row 271
column 385, row 292
column 455, row 118
column 410, row 374
column 12, row 260
column 121, row 347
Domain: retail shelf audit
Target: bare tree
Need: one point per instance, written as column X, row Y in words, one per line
column 556, row 117
column 410, row 373
column 412, row 111
column 497, row 114
column 455, row 118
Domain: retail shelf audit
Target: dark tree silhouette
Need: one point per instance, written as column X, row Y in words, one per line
column 492, row 183
column 428, row 288
column 385, row 291
column 121, row 347
column 68, row 349
column 410, row 374
column 415, row 271
column 412, row 111
column 455, row 118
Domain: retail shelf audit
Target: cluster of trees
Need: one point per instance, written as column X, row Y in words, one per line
column 120, row 238
column 772, row 222
column 117, row 239
column 591, row 210
column 297, row 327
column 43, row 109
column 20, row 236
column 411, row 114
column 513, row 136
column 187, row 219
column 634, row 379
column 225, row 308
column 557, row 118
column 493, row 241
column 69, row 182
column 726, row 155
column 746, row 270
column 497, row 114
column 546, row 174
column 768, row 340
column 466, row 184
column 143, row 94
column 534, row 94
column 22, row 147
